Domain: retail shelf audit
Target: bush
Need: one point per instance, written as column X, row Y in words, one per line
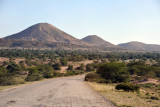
column 70, row 67
column 34, row 74
column 34, row 77
column 91, row 76
column 115, row 72
column 68, row 73
column 5, row 63
column 154, row 98
column 89, row 67
column 81, row 67
column 94, row 77
column 63, row 61
column 13, row 68
column 56, row 66
column 127, row 87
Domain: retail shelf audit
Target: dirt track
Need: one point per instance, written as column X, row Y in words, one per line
column 59, row 92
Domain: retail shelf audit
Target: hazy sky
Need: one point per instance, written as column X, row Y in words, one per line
column 116, row 21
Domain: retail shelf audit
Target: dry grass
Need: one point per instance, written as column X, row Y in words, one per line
column 121, row 98
column 22, row 83
column 8, row 87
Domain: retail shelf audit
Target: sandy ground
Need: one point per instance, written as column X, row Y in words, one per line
column 59, row 92
column 150, row 80
column 75, row 65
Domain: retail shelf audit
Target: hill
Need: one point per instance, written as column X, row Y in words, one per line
column 96, row 40
column 140, row 46
column 44, row 32
column 42, row 35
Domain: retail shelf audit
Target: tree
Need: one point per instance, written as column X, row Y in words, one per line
column 116, row 72
column 13, row 68
column 21, row 62
column 63, row 61
column 56, row 66
column 5, row 63
column 89, row 67
column 34, row 74
column 81, row 67
column 70, row 67
column 3, row 76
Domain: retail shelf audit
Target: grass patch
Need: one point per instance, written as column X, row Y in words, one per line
column 122, row 98
column 12, row 86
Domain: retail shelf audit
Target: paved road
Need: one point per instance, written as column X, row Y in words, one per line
column 58, row 92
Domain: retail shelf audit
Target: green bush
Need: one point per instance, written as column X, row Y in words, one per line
column 94, row 77
column 34, row 74
column 68, row 73
column 91, row 76
column 13, row 68
column 63, row 61
column 81, row 67
column 115, row 72
column 56, row 66
column 90, row 67
column 127, row 87
column 70, row 67
column 34, row 77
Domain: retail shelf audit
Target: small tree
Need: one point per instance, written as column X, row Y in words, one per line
column 81, row 67
column 13, row 68
column 89, row 67
column 56, row 66
column 34, row 74
column 63, row 61
column 70, row 67
column 21, row 62
column 5, row 63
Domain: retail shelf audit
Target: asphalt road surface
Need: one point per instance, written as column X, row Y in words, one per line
column 58, row 92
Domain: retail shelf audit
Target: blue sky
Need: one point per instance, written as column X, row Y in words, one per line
column 116, row 21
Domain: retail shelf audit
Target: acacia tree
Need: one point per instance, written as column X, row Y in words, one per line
column 115, row 72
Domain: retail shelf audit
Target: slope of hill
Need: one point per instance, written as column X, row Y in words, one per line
column 96, row 40
column 44, row 32
column 140, row 46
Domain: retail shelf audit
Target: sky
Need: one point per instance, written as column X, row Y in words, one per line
column 116, row 21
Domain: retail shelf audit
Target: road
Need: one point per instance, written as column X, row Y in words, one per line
column 58, row 92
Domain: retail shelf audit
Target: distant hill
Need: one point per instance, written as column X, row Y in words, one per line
column 96, row 40
column 140, row 46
